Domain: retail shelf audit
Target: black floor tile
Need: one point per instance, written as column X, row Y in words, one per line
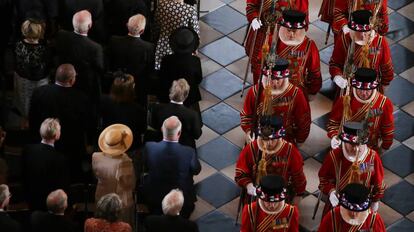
column 400, row 197
column 403, row 225
column 400, row 91
column 217, row 221
column 217, row 190
column 219, row 153
column 404, row 125
column 222, row 84
column 402, row 58
column 400, row 160
column 221, row 118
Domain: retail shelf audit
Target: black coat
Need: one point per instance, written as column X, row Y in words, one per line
column 176, row 66
column 87, row 58
column 8, row 224
column 134, row 56
column 169, row 165
column 164, row 223
column 44, row 170
column 47, row 222
column 190, row 120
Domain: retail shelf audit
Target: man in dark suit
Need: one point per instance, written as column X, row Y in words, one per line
column 191, row 121
column 6, row 222
column 171, row 220
column 86, row 55
column 170, row 165
column 54, row 219
column 72, row 108
column 133, row 55
column 43, row 167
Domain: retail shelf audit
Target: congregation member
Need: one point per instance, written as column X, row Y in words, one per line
column 62, row 101
column 265, row 22
column 133, row 55
column 43, row 162
column 351, row 162
column 114, row 169
column 270, row 154
column 6, row 222
column 182, row 64
column 368, row 50
column 270, row 212
column 170, row 15
column 170, row 165
column 171, row 220
column 54, row 219
column 190, row 119
column 107, row 217
column 366, row 105
column 288, row 101
column 353, row 212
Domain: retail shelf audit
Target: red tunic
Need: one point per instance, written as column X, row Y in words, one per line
column 252, row 11
column 373, row 222
column 286, row 162
column 371, row 173
column 341, row 14
column 379, row 57
column 291, row 105
column 287, row 220
column 380, row 119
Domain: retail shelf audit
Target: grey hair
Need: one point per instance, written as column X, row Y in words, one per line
column 136, row 24
column 171, row 130
column 108, row 207
column 179, row 90
column 81, row 24
column 173, row 202
column 49, row 128
column 4, row 193
column 57, row 201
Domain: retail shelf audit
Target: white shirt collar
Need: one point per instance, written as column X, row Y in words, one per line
column 362, row 153
column 62, row 85
column 50, row 144
column 178, row 103
column 169, row 141
column 135, row 36
column 82, row 34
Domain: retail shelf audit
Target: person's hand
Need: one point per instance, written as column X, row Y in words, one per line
column 333, row 198
column 251, row 190
column 340, row 82
column 375, row 206
column 249, row 137
column 345, row 29
column 335, row 142
column 256, row 24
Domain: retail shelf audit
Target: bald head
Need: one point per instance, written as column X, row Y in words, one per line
column 136, row 24
column 171, row 128
column 65, row 74
column 82, row 21
column 57, row 201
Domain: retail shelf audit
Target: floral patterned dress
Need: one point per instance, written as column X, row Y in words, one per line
column 169, row 16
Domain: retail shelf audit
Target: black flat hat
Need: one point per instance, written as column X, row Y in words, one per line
column 365, row 78
column 272, row 188
column 293, row 19
column 360, row 21
column 355, row 197
column 184, row 40
column 271, row 127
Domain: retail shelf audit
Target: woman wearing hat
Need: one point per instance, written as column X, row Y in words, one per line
column 270, row 212
column 170, row 15
column 376, row 56
column 114, row 169
column 353, row 213
column 182, row 64
column 339, row 163
column 365, row 101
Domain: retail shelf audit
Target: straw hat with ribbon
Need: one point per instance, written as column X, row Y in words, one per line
column 116, row 139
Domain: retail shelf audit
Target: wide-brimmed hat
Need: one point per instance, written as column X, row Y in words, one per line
column 272, row 189
column 360, row 21
column 365, row 78
column 115, row 139
column 184, row 40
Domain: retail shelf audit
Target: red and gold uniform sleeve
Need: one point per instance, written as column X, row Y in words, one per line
column 385, row 65
column 313, row 65
column 378, row 178
column 326, row 173
column 244, row 166
column 337, row 61
column 247, row 114
column 326, row 224
column 387, row 125
column 302, row 117
column 294, row 221
column 340, row 15
column 379, row 224
column 252, row 9
column 335, row 118
column 383, row 16
column 296, row 172
column 246, row 225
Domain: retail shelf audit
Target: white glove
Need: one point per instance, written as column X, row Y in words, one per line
column 333, row 199
column 340, row 81
column 375, row 206
column 251, row 190
column 249, row 137
column 256, row 24
column 335, row 142
column 345, row 29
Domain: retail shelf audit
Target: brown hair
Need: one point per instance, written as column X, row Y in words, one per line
column 122, row 89
column 33, row 29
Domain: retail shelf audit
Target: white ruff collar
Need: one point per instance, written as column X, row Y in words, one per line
column 278, row 209
column 355, row 222
column 374, row 92
column 276, row 149
column 363, row 152
column 298, row 40
column 362, row 42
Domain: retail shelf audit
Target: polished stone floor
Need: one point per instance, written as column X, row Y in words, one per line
column 223, row 27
